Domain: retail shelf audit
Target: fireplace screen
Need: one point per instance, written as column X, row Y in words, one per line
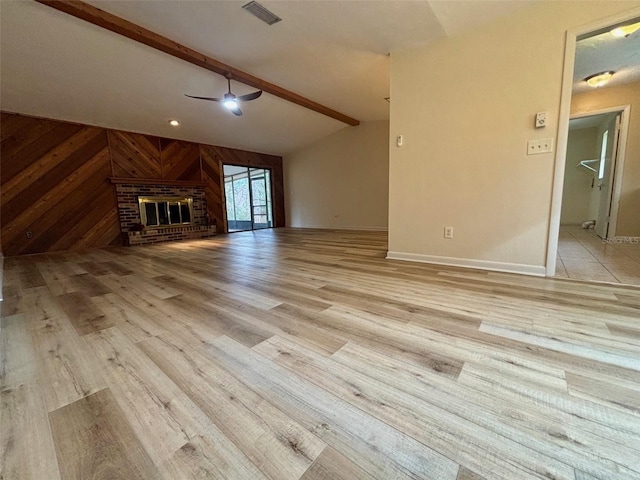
column 161, row 211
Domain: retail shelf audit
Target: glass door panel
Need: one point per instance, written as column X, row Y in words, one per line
column 259, row 199
column 248, row 198
column 267, row 182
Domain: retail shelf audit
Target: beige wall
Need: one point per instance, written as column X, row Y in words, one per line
column 341, row 181
column 629, row 208
column 582, row 145
column 466, row 107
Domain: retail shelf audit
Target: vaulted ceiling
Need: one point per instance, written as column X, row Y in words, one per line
column 332, row 52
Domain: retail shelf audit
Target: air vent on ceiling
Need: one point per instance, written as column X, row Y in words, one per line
column 262, row 13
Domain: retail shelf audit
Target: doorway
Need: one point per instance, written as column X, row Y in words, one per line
column 248, row 198
column 590, row 200
column 591, row 184
column 590, row 194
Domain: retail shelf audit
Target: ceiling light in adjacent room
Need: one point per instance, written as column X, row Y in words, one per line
column 625, row 30
column 599, row 79
column 174, row 123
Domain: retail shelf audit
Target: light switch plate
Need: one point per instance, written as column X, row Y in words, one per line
column 541, row 145
column 541, row 119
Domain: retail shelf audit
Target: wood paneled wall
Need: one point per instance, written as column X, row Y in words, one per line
column 56, row 193
column 135, row 155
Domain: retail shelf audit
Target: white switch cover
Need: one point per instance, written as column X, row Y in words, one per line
column 542, row 145
column 541, row 119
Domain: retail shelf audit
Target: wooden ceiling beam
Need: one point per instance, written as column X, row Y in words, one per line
column 135, row 32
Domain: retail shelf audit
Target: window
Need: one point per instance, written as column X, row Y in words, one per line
column 603, row 154
column 159, row 211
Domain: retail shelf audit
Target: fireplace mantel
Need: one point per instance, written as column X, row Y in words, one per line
column 148, row 181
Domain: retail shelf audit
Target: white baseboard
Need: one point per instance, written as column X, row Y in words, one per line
column 330, row 227
column 536, row 270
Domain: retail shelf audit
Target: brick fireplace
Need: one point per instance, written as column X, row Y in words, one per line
column 128, row 192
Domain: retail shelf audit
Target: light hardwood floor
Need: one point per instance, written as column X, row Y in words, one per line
column 302, row 354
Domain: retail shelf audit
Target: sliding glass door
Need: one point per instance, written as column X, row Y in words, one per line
column 248, row 198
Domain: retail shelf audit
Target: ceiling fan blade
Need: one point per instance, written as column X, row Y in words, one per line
column 249, row 96
column 211, row 99
column 237, row 111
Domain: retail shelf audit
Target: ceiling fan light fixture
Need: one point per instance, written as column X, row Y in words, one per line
column 625, row 30
column 599, row 79
column 230, row 101
column 231, row 104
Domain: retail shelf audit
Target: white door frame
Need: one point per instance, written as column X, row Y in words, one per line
column 618, row 165
column 563, row 127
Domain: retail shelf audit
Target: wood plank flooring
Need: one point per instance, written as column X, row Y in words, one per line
column 303, row 354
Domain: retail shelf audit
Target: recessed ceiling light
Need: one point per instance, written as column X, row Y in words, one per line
column 174, row 123
column 625, row 30
column 599, row 79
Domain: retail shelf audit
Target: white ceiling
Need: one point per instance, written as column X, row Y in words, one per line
column 333, row 52
column 604, row 52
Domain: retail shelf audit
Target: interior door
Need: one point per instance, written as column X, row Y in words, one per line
column 606, row 170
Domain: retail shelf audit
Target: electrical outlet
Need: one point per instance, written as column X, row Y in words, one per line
column 448, row 232
column 29, row 234
column 542, row 145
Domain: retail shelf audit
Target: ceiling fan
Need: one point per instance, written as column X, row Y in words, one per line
column 231, row 101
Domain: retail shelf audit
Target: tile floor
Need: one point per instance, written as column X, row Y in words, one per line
column 582, row 255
